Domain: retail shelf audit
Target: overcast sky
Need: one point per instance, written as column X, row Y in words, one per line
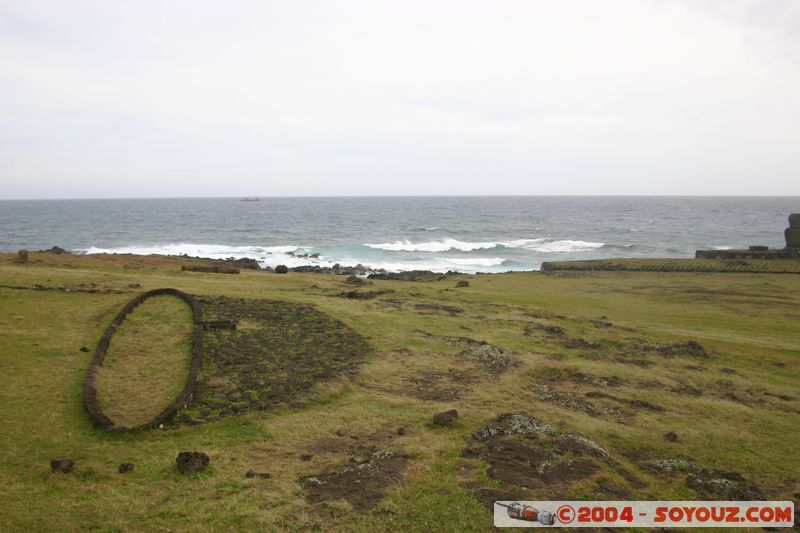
column 198, row 98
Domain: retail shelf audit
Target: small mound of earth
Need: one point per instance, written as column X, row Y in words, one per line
column 565, row 399
column 718, row 485
column 277, row 352
column 688, row 348
column 493, row 359
column 635, row 403
column 581, row 344
column 427, row 308
column 707, row 484
column 523, row 452
column 361, row 485
column 670, row 465
column 549, row 329
column 576, row 376
column 363, row 295
column 440, row 386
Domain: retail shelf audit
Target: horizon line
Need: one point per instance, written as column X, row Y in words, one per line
column 240, row 197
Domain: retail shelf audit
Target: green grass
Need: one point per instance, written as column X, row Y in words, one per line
column 147, row 362
column 775, row 266
column 747, row 321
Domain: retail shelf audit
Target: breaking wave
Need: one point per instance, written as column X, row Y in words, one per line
column 294, row 256
column 448, row 245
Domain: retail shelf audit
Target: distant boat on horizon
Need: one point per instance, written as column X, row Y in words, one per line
column 250, row 199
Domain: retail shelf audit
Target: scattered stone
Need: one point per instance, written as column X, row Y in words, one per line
column 124, row 468
column 492, row 358
column 670, row 436
column 565, row 399
column 214, row 269
column 547, row 328
column 758, row 248
column 354, row 280
column 581, row 344
column 410, row 275
column 727, row 370
column 55, row 250
column 337, row 269
column 363, row 295
column 669, row 466
column 281, row 269
column 462, row 283
column 690, row 348
column 189, row 462
column 401, row 431
column 84, row 349
column 513, row 424
column 134, row 285
column 718, row 485
column 253, row 474
column 521, row 451
column 62, row 465
column 447, row 309
column 306, row 457
column 247, row 263
column 445, row 418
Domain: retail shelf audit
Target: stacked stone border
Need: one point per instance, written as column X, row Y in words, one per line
column 98, row 417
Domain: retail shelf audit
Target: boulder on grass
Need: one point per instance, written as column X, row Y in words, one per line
column 281, row 269
column 189, row 462
column 445, row 418
column 62, row 465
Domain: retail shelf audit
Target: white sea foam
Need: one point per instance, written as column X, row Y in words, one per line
column 722, row 247
column 216, row 251
column 564, row 246
column 447, row 245
column 271, row 256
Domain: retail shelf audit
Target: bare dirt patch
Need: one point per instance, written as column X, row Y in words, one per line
column 680, row 349
column 362, row 485
column 429, row 308
column 441, row 386
column 522, row 452
column 279, row 353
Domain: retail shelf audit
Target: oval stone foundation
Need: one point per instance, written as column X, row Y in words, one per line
column 146, row 364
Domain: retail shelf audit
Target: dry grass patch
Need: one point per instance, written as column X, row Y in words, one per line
column 147, row 362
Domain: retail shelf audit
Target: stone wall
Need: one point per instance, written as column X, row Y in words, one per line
column 90, row 401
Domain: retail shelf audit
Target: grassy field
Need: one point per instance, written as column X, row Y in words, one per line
column 764, row 266
column 147, row 362
column 621, row 358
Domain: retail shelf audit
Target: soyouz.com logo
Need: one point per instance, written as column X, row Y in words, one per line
column 643, row 514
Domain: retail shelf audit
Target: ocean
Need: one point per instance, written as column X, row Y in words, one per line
column 465, row 234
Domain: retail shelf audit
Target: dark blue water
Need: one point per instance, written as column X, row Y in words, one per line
column 469, row 234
